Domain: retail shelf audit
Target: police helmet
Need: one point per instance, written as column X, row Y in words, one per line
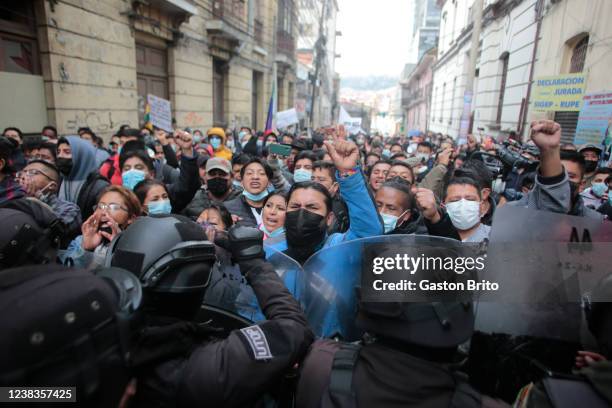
column 66, row 327
column 30, row 233
column 172, row 258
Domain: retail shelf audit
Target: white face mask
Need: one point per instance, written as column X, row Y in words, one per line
column 464, row 214
column 423, row 157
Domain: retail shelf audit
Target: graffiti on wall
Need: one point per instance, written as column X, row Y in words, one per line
column 96, row 121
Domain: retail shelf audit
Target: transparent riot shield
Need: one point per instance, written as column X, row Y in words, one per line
column 546, row 266
column 229, row 294
column 333, row 278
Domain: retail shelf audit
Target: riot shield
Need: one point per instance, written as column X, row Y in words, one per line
column 333, row 275
column 229, row 294
column 546, row 265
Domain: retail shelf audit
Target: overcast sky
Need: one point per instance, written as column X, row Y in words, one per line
column 374, row 37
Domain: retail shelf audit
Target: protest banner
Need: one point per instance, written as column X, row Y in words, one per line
column 286, row 118
column 161, row 113
column 595, row 120
column 559, row 93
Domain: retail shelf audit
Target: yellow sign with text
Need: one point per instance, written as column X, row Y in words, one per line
column 559, row 93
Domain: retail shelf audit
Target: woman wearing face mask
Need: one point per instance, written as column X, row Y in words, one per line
column 273, row 218
column 136, row 166
column 256, row 176
column 153, row 196
column 217, row 139
column 116, row 209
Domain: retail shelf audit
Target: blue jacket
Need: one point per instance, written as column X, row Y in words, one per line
column 364, row 222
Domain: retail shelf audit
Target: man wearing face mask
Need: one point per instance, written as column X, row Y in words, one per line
column 216, row 138
column 596, row 195
column 303, row 166
column 309, row 208
column 217, row 187
column 40, row 180
column 395, row 203
column 591, row 154
column 324, row 173
column 81, row 183
column 423, row 153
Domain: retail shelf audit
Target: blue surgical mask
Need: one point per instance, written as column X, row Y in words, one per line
column 241, row 135
column 132, row 177
column 230, row 145
column 197, row 139
column 259, row 143
column 275, row 233
column 160, row 207
column 386, row 153
column 598, row 189
column 236, row 183
column 255, row 197
column 302, row 175
column 215, row 142
column 390, row 221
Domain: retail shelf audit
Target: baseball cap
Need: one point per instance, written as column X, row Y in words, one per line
column 218, row 163
column 589, row 146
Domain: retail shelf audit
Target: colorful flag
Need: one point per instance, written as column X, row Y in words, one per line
column 147, row 117
column 272, row 106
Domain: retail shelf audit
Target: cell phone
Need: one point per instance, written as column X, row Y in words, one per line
column 280, row 149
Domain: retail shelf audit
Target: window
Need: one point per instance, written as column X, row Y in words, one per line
column 442, row 102
column 255, row 103
column 579, row 55
column 433, row 119
column 220, row 69
column 502, row 88
column 452, row 103
column 18, row 45
column 151, row 74
column 285, row 15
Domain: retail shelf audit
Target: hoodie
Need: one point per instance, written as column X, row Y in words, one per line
column 222, row 151
column 83, row 163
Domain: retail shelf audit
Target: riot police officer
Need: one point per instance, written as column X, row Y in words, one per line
column 181, row 363
column 66, row 328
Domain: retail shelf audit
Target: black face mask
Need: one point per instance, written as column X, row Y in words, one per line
column 64, row 166
column 304, row 228
column 590, row 165
column 217, row 186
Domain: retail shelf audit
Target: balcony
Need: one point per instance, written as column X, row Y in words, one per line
column 228, row 21
column 285, row 48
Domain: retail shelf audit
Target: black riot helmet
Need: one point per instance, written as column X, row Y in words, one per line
column 30, row 233
column 66, row 327
column 443, row 323
column 172, row 258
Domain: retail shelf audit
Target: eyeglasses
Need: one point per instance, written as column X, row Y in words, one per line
column 32, row 173
column 112, row 207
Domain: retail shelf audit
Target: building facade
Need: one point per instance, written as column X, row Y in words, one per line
column 575, row 37
column 505, row 65
column 73, row 63
column 425, row 28
column 317, row 45
column 450, row 72
column 417, row 92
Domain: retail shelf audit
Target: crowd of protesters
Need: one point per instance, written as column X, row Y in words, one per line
column 305, row 192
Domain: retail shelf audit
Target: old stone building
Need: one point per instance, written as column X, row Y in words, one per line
column 73, row 63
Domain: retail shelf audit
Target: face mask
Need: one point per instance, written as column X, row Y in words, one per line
column 598, row 189
column 132, row 177
column 217, row 186
column 259, row 143
column 230, row 145
column 275, row 233
column 360, row 142
column 44, row 192
column 197, row 139
column 464, row 214
column 255, row 197
column 390, row 221
column 386, row 152
column 215, row 142
column 241, row 135
column 160, row 207
column 64, row 166
column 302, row 175
column 590, row 165
column 304, row 228
column 236, row 183
column 423, row 157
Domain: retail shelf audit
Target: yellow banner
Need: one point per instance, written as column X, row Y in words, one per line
column 559, row 93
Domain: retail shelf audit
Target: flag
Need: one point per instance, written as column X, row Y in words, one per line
column 270, row 120
column 147, row 117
